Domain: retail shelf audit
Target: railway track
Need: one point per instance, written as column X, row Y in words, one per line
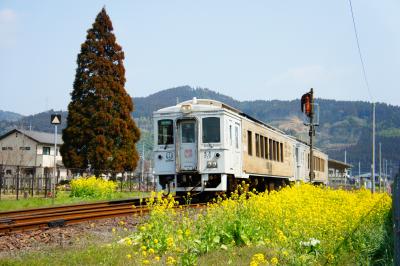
column 38, row 218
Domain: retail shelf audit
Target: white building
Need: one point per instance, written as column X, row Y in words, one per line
column 32, row 152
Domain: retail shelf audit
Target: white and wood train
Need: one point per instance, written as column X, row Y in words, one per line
column 204, row 145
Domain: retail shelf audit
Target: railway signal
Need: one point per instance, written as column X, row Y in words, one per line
column 307, row 107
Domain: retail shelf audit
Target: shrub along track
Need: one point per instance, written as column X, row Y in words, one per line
column 40, row 218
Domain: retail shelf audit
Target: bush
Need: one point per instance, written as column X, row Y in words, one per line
column 92, row 187
column 300, row 225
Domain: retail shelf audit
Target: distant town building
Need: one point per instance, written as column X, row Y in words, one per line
column 31, row 153
column 338, row 173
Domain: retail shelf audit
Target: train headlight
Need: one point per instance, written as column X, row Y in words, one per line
column 212, row 164
column 186, row 108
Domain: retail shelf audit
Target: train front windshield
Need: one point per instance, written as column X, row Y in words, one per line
column 165, row 132
column 211, row 130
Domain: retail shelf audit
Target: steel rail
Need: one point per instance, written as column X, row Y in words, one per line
column 71, row 214
column 55, row 209
column 48, row 220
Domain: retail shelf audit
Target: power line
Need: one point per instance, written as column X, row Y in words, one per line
column 359, row 52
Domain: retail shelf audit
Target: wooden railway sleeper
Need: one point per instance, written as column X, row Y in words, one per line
column 7, row 221
column 56, row 223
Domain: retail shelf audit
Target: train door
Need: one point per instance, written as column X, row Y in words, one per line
column 297, row 164
column 237, row 143
column 187, row 145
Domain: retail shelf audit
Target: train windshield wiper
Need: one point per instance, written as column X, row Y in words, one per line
column 166, row 144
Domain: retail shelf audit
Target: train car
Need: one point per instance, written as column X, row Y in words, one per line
column 204, row 145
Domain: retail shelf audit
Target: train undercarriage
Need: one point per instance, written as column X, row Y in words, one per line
column 207, row 188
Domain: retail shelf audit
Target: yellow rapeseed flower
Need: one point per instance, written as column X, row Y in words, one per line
column 330, row 258
column 170, row 242
column 274, row 261
column 171, row 260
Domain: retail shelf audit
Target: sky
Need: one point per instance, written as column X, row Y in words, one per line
column 245, row 49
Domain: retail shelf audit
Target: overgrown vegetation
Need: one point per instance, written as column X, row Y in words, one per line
column 301, row 225
column 62, row 198
column 92, row 187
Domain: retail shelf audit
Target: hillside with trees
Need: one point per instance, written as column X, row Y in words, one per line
column 344, row 125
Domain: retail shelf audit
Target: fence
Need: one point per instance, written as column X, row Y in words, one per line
column 23, row 185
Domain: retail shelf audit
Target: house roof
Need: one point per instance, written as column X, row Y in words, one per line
column 41, row 137
column 338, row 164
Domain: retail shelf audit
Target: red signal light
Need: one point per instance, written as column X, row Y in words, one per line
column 306, row 105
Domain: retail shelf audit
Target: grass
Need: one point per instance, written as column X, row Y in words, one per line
column 119, row 255
column 92, row 255
column 61, row 199
column 351, row 228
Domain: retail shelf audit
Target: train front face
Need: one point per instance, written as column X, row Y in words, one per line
column 189, row 150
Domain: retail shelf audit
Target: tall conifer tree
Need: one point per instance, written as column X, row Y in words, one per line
column 100, row 131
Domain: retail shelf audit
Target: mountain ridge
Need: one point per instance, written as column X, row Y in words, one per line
column 344, row 125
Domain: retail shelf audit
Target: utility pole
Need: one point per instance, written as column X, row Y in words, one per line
column 359, row 174
column 142, row 162
column 345, row 170
column 386, row 166
column 380, row 166
column 373, row 148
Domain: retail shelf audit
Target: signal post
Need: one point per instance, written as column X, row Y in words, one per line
column 307, row 107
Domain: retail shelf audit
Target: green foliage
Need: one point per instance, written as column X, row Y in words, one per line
column 390, row 132
column 301, row 225
column 92, row 187
column 100, row 131
column 61, row 199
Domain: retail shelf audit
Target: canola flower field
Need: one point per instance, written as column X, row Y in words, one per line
column 299, row 225
column 92, row 187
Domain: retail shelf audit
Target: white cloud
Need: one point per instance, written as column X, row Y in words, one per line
column 8, row 26
column 7, row 16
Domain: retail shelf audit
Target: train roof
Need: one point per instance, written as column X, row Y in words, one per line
column 198, row 105
column 208, row 104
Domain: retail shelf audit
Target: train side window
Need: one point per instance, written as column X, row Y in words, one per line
column 273, row 150
column 281, row 152
column 257, row 145
column 266, row 147
column 211, row 130
column 262, row 146
column 270, row 149
column 165, row 132
column 249, row 143
column 278, row 152
column 230, row 135
column 237, row 137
